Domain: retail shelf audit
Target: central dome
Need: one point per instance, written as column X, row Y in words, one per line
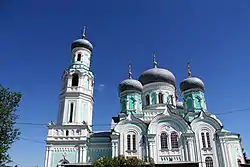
column 157, row 75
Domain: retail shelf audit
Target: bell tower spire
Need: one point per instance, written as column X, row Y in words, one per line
column 76, row 97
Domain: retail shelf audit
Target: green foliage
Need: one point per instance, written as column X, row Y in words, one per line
column 118, row 161
column 8, row 133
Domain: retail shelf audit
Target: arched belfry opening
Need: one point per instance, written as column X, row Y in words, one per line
column 160, row 97
column 79, row 56
column 75, row 79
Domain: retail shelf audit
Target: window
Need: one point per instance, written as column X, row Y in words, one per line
column 131, row 145
column 134, row 142
column 79, row 57
column 208, row 140
column 174, row 140
column 71, row 112
column 147, row 100
column 67, row 132
column 160, row 97
column 209, row 162
column 131, row 103
column 164, row 141
column 203, row 140
column 189, row 104
column 128, row 142
column 75, row 80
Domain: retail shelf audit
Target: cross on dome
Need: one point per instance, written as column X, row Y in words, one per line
column 84, row 32
column 155, row 62
column 188, row 68
column 129, row 71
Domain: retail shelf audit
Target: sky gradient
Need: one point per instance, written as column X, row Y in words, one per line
column 35, row 50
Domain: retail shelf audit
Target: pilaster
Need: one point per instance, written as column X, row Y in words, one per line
column 189, row 139
column 115, row 144
column 84, row 153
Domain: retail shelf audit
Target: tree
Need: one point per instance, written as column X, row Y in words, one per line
column 8, row 132
column 118, row 161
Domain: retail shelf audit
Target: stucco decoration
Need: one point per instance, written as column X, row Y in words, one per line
column 130, row 119
column 203, row 117
column 176, row 121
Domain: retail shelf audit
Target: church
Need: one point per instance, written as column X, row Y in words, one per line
column 152, row 123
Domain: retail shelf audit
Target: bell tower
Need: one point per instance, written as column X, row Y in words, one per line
column 76, row 96
column 67, row 140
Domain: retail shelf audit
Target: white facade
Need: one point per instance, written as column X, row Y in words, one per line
column 152, row 123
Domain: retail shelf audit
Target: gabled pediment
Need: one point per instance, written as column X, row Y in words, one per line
column 208, row 118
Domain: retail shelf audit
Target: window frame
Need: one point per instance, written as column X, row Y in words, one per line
column 79, row 57
column 131, row 139
column 205, row 139
column 160, row 98
column 164, row 141
column 75, row 79
column 71, row 112
column 147, row 100
column 176, row 141
column 209, row 162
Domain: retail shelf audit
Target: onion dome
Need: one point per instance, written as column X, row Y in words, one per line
column 157, row 75
column 82, row 42
column 130, row 84
column 191, row 82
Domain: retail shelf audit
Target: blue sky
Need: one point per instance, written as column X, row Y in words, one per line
column 35, row 49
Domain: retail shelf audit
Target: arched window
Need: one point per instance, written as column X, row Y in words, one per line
column 128, row 142
column 164, row 141
column 71, row 112
column 131, row 145
column 67, row 132
column 209, row 162
column 147, row 100
column 174, row 140
column 79, row 57
column 131, row 103
column 203, row 140
column 160, row 97
column 208, row 140
column 134, row 142
column 75, row 79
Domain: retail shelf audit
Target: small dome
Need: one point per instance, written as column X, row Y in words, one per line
column 130, row 84
column 191, row 83
column 179, row 105
column 82, row 43
column 157, row 75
